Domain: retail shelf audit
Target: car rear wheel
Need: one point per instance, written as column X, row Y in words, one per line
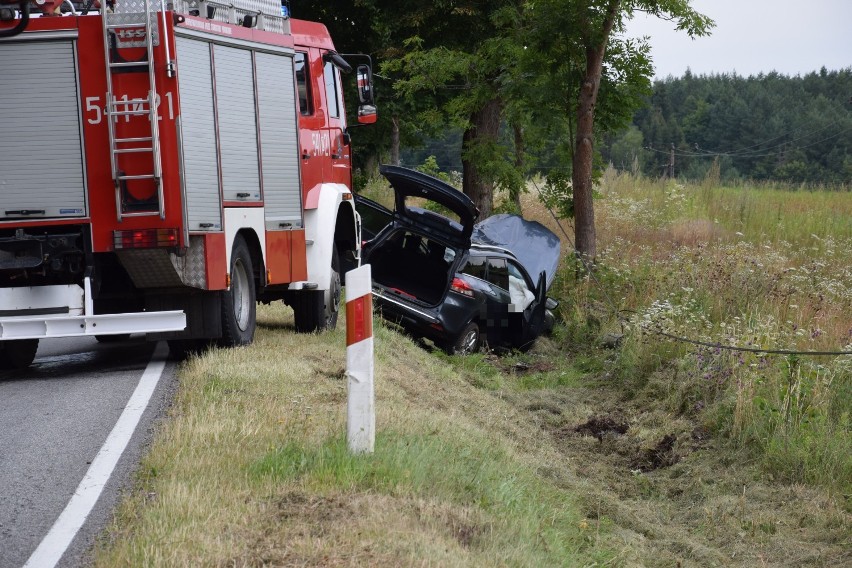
column 469, row 341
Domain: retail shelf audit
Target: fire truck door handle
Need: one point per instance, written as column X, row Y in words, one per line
column 305, row 155
column 243, row 195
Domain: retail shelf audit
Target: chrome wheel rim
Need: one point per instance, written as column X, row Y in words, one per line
column 332, row 297
column 468, row 343
column 240, row 295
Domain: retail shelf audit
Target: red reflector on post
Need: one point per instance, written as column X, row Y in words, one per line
column 359, row 319
column 145, row 238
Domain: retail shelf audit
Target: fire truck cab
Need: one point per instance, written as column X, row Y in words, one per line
column 164, row 167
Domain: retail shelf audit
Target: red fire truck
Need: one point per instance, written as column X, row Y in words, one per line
column 164, row 167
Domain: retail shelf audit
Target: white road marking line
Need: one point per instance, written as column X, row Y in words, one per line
column 63, row 531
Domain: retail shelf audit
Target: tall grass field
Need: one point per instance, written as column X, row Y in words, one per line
column 685, row 272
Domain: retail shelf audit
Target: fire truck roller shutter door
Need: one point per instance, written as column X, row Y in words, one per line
column 200, row 163
column 282, row 193
column 31, row 75
column 237, row 119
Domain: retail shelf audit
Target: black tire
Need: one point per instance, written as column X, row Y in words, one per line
column 117, row 338
column 239, row 303
column 181, row 349
column 468, row 341
column 17, row 353
column 318, row 310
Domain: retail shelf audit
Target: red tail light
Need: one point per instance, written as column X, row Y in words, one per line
column 459, row 286
column 145, row 238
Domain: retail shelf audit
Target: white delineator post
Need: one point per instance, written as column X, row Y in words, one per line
column 360, row 407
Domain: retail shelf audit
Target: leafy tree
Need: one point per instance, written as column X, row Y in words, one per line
column 455, row 54
column 583, row 35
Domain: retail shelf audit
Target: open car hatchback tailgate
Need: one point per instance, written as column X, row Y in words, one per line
column 408, row 185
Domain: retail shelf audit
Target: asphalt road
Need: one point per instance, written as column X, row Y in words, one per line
column 54, row 418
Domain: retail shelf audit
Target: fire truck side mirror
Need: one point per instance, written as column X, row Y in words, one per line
column 365, row 84
column 367, row 107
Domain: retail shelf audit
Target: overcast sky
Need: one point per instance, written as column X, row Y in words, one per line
column 793, row 37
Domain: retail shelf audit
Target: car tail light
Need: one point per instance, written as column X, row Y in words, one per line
column 145, row 238
column 459, row 286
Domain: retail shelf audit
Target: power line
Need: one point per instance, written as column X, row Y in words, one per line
column 717, row 345
column 764, row 152
column 746, row 349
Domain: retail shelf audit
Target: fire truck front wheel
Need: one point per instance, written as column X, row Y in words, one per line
column 317, row 310
column 239, row 303
column 17, row 353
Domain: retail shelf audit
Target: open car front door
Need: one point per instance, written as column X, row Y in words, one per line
column 534, row 314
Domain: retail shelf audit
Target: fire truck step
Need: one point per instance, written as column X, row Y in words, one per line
column 140, row 64
column 127, row 25
column 142, row 176
column 131, row 150
column 120, row 102
column 130, row 112
column 129, row 140
column 140, row 214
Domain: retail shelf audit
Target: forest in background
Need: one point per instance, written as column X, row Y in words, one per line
column 768, row 127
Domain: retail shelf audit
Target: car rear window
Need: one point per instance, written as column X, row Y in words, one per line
column 412, row 201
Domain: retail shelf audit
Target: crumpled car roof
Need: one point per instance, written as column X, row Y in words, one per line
column 536, row 247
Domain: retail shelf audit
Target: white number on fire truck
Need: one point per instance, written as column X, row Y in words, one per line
column 93, row 105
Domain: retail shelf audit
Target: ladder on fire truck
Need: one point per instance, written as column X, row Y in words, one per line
column 140, row 27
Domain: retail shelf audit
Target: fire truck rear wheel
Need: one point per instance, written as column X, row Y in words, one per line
column 239, row 303
column 181, row 349
column 17, row 353
column 117, row 338
column 317, row 310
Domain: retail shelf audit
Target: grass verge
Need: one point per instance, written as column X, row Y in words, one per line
column 252, row 468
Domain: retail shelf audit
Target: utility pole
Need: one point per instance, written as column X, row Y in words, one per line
column 671, row 162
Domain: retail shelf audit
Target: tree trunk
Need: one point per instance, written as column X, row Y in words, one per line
column 581, row 177
column 371, row 165
column 519, row 162
column 394, row 156
column 584, row 148
column 484, row 127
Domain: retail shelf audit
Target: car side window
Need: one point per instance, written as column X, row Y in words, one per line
column 515, row 272
column 475, row 267
column 303, row 84
column 519, row 289
column 498, row 273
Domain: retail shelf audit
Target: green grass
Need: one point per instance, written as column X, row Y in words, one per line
column 747, row 267
column 512, row 502
column 252, row 466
